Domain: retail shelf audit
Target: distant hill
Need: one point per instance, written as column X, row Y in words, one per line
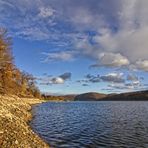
column 69, row 97
column 131, row 96
column 91, row 96
column 94, row 96
column 59, row 98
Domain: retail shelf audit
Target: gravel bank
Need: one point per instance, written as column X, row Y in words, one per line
column 14, row 130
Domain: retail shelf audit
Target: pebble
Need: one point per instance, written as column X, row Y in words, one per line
column 1, row 132
column 16, row 142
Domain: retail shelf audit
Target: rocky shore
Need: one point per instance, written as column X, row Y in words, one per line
column 14, row 130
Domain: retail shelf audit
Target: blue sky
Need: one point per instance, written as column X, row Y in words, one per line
column 74, row 46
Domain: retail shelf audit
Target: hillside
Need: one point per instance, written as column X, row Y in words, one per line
column 131, row 96
column 59, row 98
column 69, row 97
column 91, row 96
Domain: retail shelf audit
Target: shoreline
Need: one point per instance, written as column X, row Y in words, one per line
column 15, row 114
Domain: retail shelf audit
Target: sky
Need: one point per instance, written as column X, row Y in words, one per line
column 78, row 46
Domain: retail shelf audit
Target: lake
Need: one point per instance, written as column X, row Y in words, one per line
column 99, row 124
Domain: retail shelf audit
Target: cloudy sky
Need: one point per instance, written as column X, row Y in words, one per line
column 75, row 46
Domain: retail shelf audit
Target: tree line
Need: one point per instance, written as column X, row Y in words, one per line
column 12, row 80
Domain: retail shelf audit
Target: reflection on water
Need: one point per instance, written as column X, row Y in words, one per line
column 92, row 124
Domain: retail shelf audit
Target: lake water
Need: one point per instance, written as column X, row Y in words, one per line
column 92, row 124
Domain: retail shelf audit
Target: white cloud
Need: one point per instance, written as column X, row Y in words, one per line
column 119, row 29
column 108, row 78
column 127, row 86
column 130, row 43
column 142, row 65
column 122, row 87
column 59, row 56
column 113, row 77
column 133, row 81
column 130, row 39
column 46, row 12
column 130, row 84
column 83, row 19
column 113, row 59
column 65, row 76
column 49, row 80
column 132, row 77
column 57, row 80
column 121, row 47
column 35, row 33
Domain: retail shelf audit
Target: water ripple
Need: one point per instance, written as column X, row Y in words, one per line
column 92, row 124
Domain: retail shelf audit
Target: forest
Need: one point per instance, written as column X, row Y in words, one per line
column 12, row 80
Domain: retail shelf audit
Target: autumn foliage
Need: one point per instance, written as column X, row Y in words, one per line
column 12, row 80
